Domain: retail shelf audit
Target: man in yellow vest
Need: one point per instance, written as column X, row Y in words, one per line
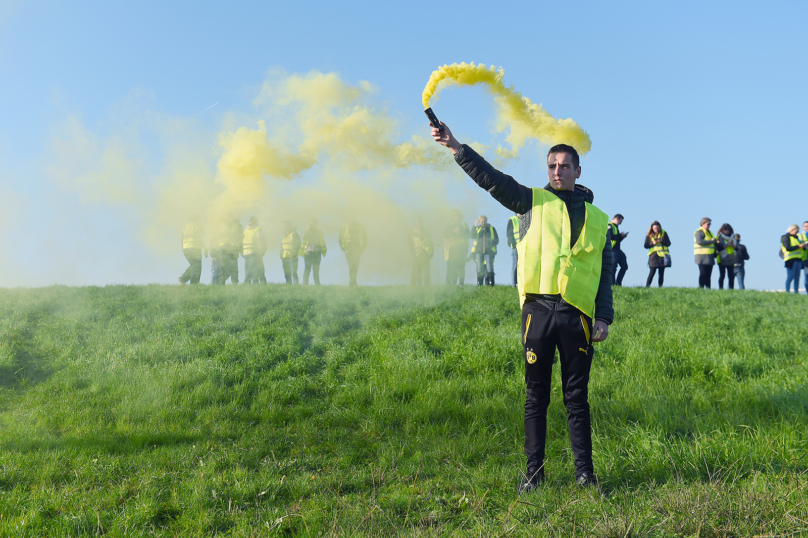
column 456, row 248
column 421, row 249
column 484, row 249
column 193, row 244
column 353, row 240
column 704, row 245
column 565, row 287
column 512, row 233
column 255, row 246
column 290, row 250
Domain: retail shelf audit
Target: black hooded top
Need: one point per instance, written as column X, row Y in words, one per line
column 519, row 199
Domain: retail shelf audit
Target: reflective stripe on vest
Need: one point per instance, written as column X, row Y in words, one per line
column 803, row 238
column 699, row 249
column 189, row 236
column 659, row 248
column 492, row 249
column 251, row 243
column 286, row 246
column 615, row 232
column 515, row 227
column 792, row 254
column 546, row 262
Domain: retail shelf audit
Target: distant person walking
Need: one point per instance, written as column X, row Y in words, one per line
column 255, row 246
column 617, row 252
column 290, row 250
column 193, row 245
column 353, row 240
column 227, row 245
column 312, row 249
column 657, row 242
column 741, row 256
column 704, row 245
column 792, row 251
column 803, row 237
column 727, row 257
column 512, row 234
column 484, row 249
column 421, row 249
column 456, row 248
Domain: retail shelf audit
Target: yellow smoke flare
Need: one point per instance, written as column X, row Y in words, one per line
column 523, row 118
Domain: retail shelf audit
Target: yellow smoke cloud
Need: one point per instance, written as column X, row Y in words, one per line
column 519, row 115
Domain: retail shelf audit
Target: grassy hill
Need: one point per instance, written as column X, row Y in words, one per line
column 252, row 411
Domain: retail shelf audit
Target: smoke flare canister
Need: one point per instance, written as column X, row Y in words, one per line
column 433, row 119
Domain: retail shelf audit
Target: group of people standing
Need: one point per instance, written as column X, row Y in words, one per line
column 794, row 251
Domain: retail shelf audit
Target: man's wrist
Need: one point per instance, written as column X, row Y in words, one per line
column 604, row 321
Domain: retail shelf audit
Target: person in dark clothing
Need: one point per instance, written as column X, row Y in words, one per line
column 550, row 319
column 727, row 257
column 456, row 248
column 742, row 255
column 353, row 240
column 484, row 249
column 313, row 249
column 657, row 242
column 792, row 251
column 704, row 246
column 617, row 253
column 421, row 249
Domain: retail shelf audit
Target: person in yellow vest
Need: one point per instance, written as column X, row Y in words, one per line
column 792, row 252
column 422, row 250
column 726, row 257
column 193, row 245
column 224, row 251
column 704, row 245
column 456, row 248
column 803, row 238
column 657, row 242
column 616, row 237
column 312, row 249
column 290, row 250
column 512, row 233
column 353, row 240
column 484, row 250
column 565, row 290
column 255, row 246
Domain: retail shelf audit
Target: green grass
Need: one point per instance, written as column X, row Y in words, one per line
column 253, row 411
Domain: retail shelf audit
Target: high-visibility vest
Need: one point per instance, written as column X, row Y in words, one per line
column 515, row 228
column 730, row 250
column 191, row 236
column 792, row 254
column 659, row 248
column 547, row 264
column 803, row 237
column 478, row 236
column 615, row 232
column 699, row 249
column 287, row 246
column 252, row 243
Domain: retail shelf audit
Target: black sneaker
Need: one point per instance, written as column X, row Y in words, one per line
column 530, row 482
column 586, row 480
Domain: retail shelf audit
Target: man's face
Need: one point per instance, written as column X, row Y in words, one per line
column 483, row 221
column 706, row 225
column 561, row 172
column 805, row 227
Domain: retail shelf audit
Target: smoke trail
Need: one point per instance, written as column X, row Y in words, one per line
column 523, row 118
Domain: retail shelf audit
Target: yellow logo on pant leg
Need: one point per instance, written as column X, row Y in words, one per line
column 531, row 357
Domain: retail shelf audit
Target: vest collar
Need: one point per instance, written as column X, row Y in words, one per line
column 578, row 191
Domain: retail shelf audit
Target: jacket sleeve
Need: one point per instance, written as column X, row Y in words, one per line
column 502, row 187
column 496, row 236
column 745, row 253
column 604, row 305
column 666, row 240
column 647, row 243
column 786, row 242
column 509, row 234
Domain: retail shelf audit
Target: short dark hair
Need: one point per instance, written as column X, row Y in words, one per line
column 563, row 148
column 618, row 216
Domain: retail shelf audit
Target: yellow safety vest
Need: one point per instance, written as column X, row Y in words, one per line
column 659, row 248
column 477, row 238
column 191, row 236
column 615, row 232
column 287, row 245
column 547, row 264
column 793, row 254
column 699, row 249
column 251, row 242
column 515, row 227
column 803, row 237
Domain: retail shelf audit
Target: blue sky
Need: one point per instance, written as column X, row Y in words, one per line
column 694, row 109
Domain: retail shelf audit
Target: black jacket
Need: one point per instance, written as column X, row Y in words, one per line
column 655, row 260
column 519, row 199
column 743, row 254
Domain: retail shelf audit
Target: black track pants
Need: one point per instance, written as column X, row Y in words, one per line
column 705, row 273
column 545, row 328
